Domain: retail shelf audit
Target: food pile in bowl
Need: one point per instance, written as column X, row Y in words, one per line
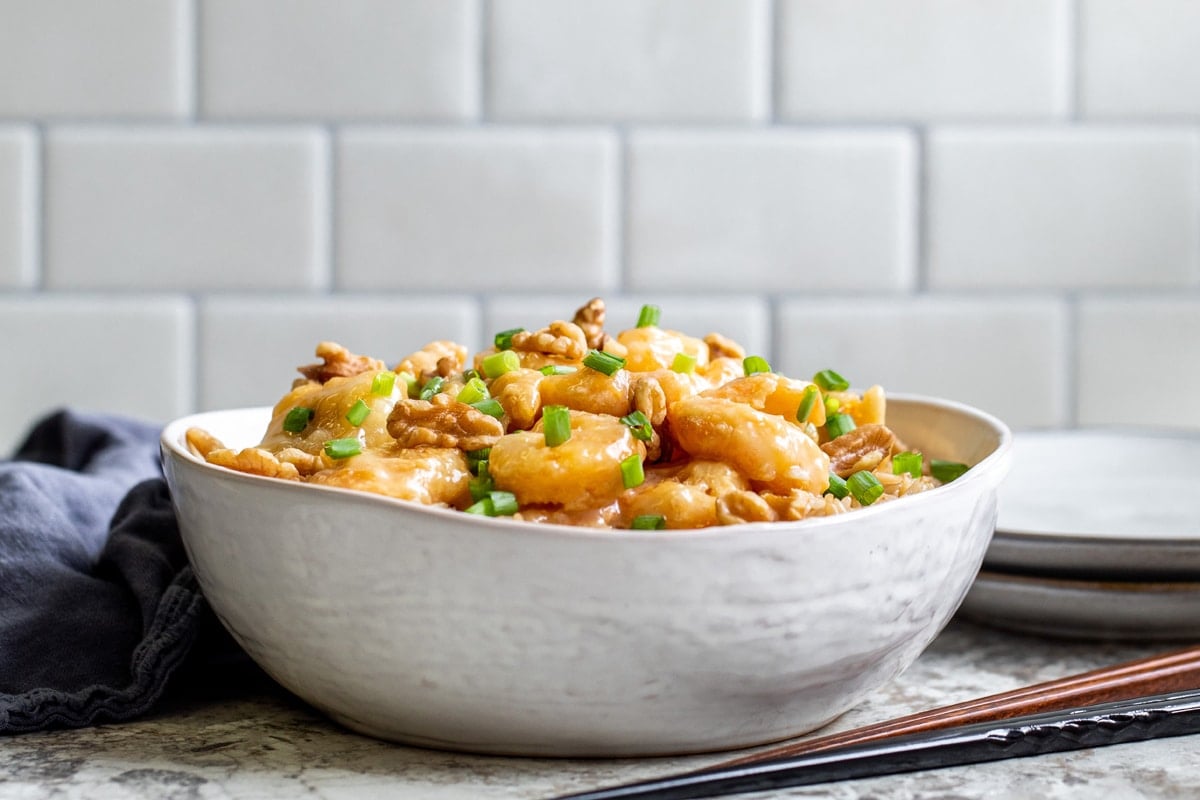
column 645, row 429
column 579, row 543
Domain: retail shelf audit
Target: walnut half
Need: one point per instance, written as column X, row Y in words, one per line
column 338, row 362
column 862, row 448
column 559, row 338
column 442, row 422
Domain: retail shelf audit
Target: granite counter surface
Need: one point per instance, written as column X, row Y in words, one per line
column 263, row 743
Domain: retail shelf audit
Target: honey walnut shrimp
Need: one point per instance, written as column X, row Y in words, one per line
column 664, row 430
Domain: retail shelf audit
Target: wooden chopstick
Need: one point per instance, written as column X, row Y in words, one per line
column 1170, row 672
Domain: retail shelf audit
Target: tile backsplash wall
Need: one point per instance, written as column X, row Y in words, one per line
column 996, row 201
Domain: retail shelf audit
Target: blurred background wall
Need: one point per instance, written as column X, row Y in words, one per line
column 991, row 200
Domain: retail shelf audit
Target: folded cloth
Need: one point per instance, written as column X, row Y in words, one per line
column 98, row 606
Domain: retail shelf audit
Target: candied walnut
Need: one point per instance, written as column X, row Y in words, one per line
column 338, row 362
column 447, row 366
column 743, row 506
column 723, row 347
column 201, row 442
column 305, row 463
column 517, row 392
column 650, row 399
column 256, row 461
column 428, row 360
column 442, row 422
column 799, row 504
column 590, row 319
column 849, row 452
column 559, row 338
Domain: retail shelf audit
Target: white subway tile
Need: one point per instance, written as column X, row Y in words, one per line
column 18, row 206
column 745, row 319
column 1140, row 59
column 629, row 59
column 67, row 58
column 250, row 346
column 771, row 211
column 123, row 355
column 476, row 210
column 198, row 208
column 1139, row 362
column 350, row 59
column 920, row 59
column 1062, row 207
column 1006, row 356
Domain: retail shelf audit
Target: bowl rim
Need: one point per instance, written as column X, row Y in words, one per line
column 171, row 442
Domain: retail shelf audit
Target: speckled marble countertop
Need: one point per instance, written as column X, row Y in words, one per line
column 266, row 744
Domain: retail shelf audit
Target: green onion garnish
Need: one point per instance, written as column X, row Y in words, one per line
column 830, row 381
column 476, row 457
column 503, row 339
column 683, row 363
column 557, row 369
column 807, row 401
column 832, row 404
column 648, row 317
column 482, row 483
column 865, row 487
column 753, row 364
column 497, row 364
column 470, row 373
column 631, row 471
column 297, row 419
column 837, row 486
column 909, row 462
column 383, row 384
column 343, row 448
column 556, row 425
column 410, row 382
column 358, row 412
column 603, row 362
column 483, row 507
column 946, row 471
column 504, row 504
column 490, row 406
column 638, row 425
column 838, row 424
column 649, row 522
column 474, row 391
column 432, row 387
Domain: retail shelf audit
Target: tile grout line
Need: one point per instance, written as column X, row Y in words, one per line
column 920, row 222
column 1071, row 355
column 619, row 214
column 483, row 18
column 773, row 67
column 39, row 203
column 193, row 59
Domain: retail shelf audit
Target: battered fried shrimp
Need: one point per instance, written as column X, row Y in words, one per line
column 338, row 362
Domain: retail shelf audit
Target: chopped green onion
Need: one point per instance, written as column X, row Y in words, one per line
column 603, row 362
column 837, row 486
column 482, row 483
column 343, row 448
column 865, row 487
column 807, row 401
column 631, row 471
column 432, row 387
column 648, row 317
column 683, row 363
column 504, row 504
column 649, row 522
column 946, row 471
column 639, row 425
column 832, row 404
column 495, row 504
column 297, row 419
column 503, row 339
column 410, row 382
column 839, row 424
column 909, row 462
column 474, row 391
column 557, row 369
column 753, row 364
column 358, row 412
column 556, row 425
column 491, row 407
column 470, row 373
column 477, row 457
column 497, row 364
column 830, row 381
column 383, row 384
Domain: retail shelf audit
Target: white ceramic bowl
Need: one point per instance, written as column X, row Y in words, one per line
column 441, row 629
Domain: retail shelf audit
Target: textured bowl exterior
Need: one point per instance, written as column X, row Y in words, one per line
column 439, row 629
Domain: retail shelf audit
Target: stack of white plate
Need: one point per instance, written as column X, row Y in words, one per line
column 1098, row 537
